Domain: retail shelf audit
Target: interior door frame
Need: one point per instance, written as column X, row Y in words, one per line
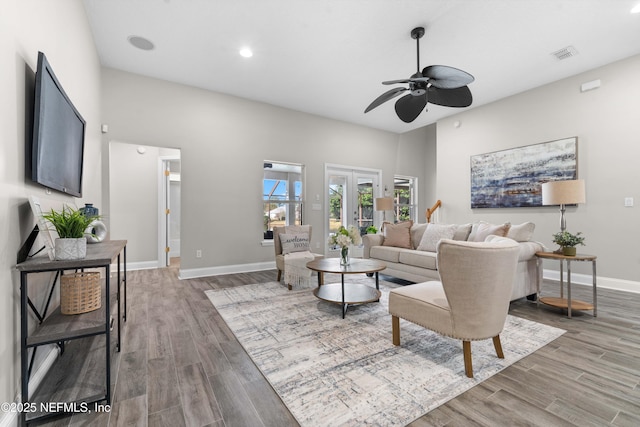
column 329, row 168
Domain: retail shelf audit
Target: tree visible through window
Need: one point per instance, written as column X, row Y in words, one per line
column 282, row 195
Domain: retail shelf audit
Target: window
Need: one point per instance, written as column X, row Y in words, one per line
column 405, row 197
column 282, row 195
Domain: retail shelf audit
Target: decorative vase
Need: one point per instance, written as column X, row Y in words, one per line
column 67, row 249
column 569, row 250
column 344, row 255
column 89, row 210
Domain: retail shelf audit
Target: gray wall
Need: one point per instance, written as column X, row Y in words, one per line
column 224, row 141
column 417, row 157
column 60, row 30
column 606, row 123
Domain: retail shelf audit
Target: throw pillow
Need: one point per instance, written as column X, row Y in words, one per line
column 398, row 235
column 417, row 231
column 434, row 233
column 294, row 243
column 522, row 232
column 482, row 229
column 462, row 233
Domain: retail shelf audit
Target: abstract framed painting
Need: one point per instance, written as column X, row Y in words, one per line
column 512, row 178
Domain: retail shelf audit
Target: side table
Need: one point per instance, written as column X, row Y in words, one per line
column 562, row 302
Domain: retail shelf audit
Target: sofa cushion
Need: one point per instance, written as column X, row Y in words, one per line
column 434, row 233
column 521, row 232
column 398, row 235
column 422, row 259
column 294, row 243
column 481, row 230
column 385, row 253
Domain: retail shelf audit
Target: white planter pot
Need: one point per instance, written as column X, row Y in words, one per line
column 71, row 248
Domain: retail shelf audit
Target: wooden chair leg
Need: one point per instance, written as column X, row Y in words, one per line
column 395, row 329
column 279, row 275
column 468, row 366
column 498, row 346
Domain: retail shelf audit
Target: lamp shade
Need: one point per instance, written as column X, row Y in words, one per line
column 563, row 192
column 384, row 204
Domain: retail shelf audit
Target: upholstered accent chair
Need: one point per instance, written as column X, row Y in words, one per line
column 471, row 300
column 277, row 244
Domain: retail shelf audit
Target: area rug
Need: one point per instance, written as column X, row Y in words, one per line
column 331, row 371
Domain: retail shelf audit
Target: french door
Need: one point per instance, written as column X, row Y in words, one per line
column 349, row 199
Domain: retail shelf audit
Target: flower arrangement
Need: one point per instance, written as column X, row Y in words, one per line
column 345, row 237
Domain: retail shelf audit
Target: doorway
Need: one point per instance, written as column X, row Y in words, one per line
column 169, row 211
column 349, row 199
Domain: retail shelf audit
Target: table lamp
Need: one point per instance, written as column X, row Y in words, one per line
column 384, row 204
column 563, row 193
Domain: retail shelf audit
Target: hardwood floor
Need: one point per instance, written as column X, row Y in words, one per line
column 182, row 366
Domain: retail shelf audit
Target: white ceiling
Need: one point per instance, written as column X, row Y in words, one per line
column 329, row 57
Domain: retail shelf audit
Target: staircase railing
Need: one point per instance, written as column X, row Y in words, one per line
column 430, row 212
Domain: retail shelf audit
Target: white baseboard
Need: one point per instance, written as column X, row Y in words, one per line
column 601, row 282
column 142, row 265
column 11, row 419
column 193, row 273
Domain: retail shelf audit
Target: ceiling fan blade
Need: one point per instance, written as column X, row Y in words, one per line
column 458, row 97
column 385, row 97
column 409, row 107
column 413, row 79
column 444, row 77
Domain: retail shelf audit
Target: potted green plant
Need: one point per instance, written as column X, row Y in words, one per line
column 568, row 242
column 372, row 229
column 70, row 224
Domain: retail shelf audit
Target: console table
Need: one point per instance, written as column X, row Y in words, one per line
column 562, row 302
column 84, row 339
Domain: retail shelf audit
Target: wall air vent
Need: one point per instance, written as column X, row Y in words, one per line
column 565, row 52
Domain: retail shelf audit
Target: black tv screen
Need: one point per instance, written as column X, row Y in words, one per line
column 58, row 135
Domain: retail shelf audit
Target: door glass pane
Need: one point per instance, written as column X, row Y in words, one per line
column 365, row 204
column 337, row 202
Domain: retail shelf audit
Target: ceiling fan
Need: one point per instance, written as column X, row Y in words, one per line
column 437, row 84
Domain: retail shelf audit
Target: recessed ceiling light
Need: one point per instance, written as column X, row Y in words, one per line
column 141, row 42
column 246, row 52
column 636, row 9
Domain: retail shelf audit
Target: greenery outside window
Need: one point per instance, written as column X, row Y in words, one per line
column 405, row 198
column 282, row 195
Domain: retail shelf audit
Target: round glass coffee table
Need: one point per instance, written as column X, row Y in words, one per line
column 352, row 293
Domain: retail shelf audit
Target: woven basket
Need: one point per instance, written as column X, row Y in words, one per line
column 80, row 292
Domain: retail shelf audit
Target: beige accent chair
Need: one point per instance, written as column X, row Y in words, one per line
column 277, row 245
column 472, row 299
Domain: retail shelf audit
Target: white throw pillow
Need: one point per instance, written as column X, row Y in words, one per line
column 294, row 243
column 434, row 233
column 522, row 232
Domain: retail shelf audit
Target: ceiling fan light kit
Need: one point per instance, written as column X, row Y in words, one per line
column 435, row 84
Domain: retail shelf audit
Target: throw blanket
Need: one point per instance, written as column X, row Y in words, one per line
column 295, row 268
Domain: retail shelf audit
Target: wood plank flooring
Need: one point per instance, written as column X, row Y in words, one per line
column 182, row 366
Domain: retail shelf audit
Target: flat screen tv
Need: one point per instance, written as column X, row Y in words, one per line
column 58, row 135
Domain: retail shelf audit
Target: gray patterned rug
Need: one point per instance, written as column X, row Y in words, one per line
column 331, row 371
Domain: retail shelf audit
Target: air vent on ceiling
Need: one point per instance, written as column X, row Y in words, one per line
column 565, row 52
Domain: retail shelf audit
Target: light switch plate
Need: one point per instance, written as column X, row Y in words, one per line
column 628, row 201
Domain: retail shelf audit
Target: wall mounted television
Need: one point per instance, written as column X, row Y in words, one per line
column 58, row 135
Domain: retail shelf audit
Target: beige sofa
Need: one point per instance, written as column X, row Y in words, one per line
column 413, row 258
